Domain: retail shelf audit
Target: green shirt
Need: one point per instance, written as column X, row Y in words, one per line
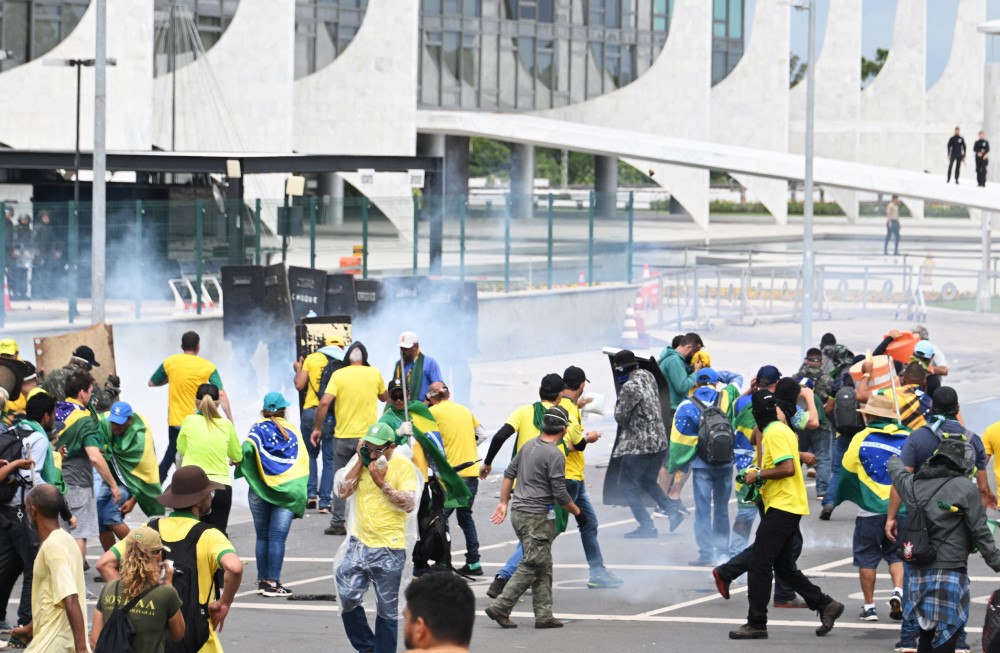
column 149, row 616
column 209, row 446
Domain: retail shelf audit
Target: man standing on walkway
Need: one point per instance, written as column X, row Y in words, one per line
column 956, row 153
column 785, row 503
column 184, row 372
column 420, row 370
column 357, row 389
column 982, row 150
column 308, row 376
column 540, row 471
column 892, row 226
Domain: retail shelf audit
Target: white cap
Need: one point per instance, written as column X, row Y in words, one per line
column 407, row 339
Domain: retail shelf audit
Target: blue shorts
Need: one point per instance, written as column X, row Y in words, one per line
column 108, row 513
column 871, row 544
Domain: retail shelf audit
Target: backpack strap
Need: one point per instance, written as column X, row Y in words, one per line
column 131, row 604
column 699, row 403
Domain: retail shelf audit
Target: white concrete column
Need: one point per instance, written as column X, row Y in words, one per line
column 331, row 187
column 991, row 116
column 456, row 167
column 522, row 179
column 606, row 184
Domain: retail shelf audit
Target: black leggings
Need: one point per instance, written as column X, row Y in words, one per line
column 222, row 503
column 925, row 645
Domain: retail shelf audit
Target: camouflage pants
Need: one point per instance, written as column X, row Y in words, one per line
column 536, row 532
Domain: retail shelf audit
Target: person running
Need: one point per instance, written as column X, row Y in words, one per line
column 184, row 373
column 540, row 471
column 146, row 584
column 785, row 503
column 275, row 467
column 209, row 441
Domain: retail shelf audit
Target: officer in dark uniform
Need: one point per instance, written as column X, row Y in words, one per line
column 956, row 153
column 982, row 150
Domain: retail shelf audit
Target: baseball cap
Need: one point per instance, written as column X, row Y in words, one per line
column 557, row 413
column 147, row 538
column 945, row 401
column 552, row 384
column 86, row 353
column 574, row 376
column 275, row 401
column 380, row 433
column 119, row 413
column 706, row 376
column 394, row 384
column 407, row 339
column 29, row 370
column 624, row 360
column 767, row 375
column 8, row 346
column 924, row 349
column 336, row 340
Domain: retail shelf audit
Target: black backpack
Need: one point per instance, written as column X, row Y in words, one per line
column 332, row 365
column 716, row 437
column 118, row 633
column 184, row 555
column 991, row 627
column 11, row 448
column 915, row 546
column 845, row 411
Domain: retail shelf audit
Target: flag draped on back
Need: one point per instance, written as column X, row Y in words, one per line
column 50, row 472
column 276, row 464
column 133, row 459
column 684, row 430
column 864, row 479
column 430, row 453
column 74, row 421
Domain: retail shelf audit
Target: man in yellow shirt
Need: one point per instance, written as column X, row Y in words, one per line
column 385, row 490
column 308, row 375
column 59, row 622
column 991, row 443
column 785, row 503
column 460, row 433
column 354, row 391
column 184, row 373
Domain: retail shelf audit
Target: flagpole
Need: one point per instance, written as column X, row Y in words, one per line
column 402, row 383
column 892, row 384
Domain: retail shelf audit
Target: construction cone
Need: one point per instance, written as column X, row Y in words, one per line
column 7, row 306
column 640, row 321
column 645, row 270
column 630, row 330
column 581, row 279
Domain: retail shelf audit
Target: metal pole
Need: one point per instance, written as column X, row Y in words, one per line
column 590, row 240
column 463, row 210
column 256, row 232
column 629, row 246
column 199, row 219
column 549, row 217
column 506, row 243
column 71, row 255
column 138, row 257
column 288, row 225
column 98, row 217
column 808, row 252
column 172, row 58
column 416, row 232
column 3, row 260
column 312, row 232
column 364, row 237
column 983, row 300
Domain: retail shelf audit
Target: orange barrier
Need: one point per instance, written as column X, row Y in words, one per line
column 350, row 264
column 901, row 348
column 882, row 375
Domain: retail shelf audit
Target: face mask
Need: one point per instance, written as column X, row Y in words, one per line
column 799, row 419
column 366, row 456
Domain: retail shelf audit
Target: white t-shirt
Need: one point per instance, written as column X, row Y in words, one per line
column 939, row 358
column 34, row 446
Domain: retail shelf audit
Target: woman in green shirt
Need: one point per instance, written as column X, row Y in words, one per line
column 209, row 440
column 144, row 576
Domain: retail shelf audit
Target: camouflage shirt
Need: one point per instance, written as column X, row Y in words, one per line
column 55, row 385
column 822, row 382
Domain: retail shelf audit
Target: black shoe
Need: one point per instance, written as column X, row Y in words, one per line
column 896, row 607
column 99, row 579
column 339, row 529
column 501, row 619
column 496, row 587
column 86, row 566
column 675, row 518
column 549, row 622
column 746, row 631
column 825, row 513
column 828, row 614
column 466, row 570
column 311, row 503
column 641, row 533
column 721, row 583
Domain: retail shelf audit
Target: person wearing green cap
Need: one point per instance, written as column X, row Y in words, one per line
column 385, row 490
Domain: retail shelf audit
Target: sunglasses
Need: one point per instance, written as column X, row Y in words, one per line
column 396, row 396
column 815, row 360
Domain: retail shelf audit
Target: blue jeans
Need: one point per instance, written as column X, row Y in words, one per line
column 578, row 491
column 638, row 479
column 840, row 445
column 742, row 526
column 271, row 523
column 382, row 568
column 817, row 442
column 467, row 523
column 108, row 512
column 712, row 488
column 512, row 562
column 326, row 448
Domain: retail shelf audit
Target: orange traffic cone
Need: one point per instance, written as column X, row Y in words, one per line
column 581, row 279
column 630, row 330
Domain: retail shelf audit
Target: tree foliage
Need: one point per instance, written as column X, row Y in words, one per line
column 870, row 68
column 796, row 70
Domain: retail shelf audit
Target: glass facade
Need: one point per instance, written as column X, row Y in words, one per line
column 30, row 28
column 323, row 29
column 184, row 29
column 727, row 37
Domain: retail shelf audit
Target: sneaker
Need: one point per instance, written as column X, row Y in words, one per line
column 496, row 587
column 660, row 514
column 963, row 647
column 276, row 590
column 5, row 627
column 468, row 570
column 746, row 631
column 311, row 503
column 91, row 596
column 721, row 584
column 99, row 579
column 677, row 516
column 549, row 622
column 501, row 619
column 828, row 614
column 811, row 473
column 339, row 529
column 868, row 614
column 896, row 607
column 324, row 510
column 604, row 579
column 261, row 586
column 825, row 513
column 905, row 646
column 643, row 532
column 791, row 603
column 86, row 566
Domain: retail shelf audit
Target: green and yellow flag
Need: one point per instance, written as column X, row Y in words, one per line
column 132, row 459
column 276, row 464
column 50, row 471
column 864, row 477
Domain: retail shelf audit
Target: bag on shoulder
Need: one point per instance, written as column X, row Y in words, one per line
column 991, row 626
column 332, row 365
column 716, row 437
column 184, row 555
column 11, row 448
column 845, row 409
column 915, row 546
column 118, row 633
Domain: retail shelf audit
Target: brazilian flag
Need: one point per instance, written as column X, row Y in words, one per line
column 132, row 457
column 276, row 464
column 50, row 472
column 864, row 479
column 431, row 451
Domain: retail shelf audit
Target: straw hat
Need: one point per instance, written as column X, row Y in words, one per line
column 880, row 406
